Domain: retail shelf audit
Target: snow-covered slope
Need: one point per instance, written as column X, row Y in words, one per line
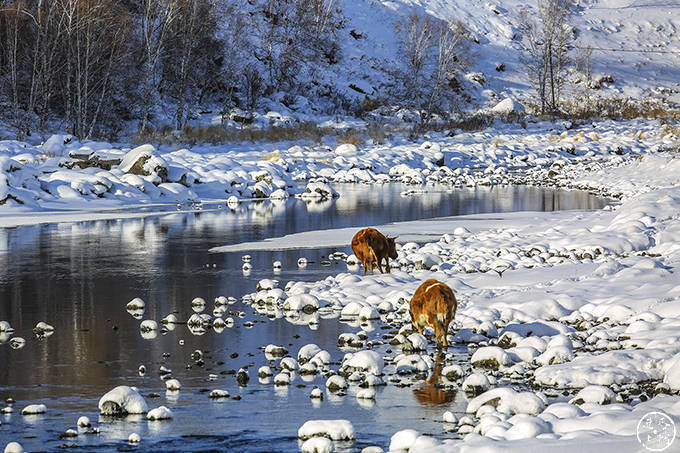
column 634, row 41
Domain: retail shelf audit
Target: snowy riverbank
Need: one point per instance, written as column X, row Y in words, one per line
column 578, row 310
column 83, row 178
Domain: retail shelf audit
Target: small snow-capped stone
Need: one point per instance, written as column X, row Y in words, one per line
column 170, row 319
column 173, row 385
column 134, row 438
column 351, row 340
column 368, row 312
column 597, row 394
column 302, row 262
column 34, row 409
column 555, row 355
column 42, row 327
column 308, row 368
column 288, row 363
column 14, row 447
column 490, row 357
column 17, row 342
column 412, row 363
column 5, row 327
column 319, row 190
column 333, row 429
column 453, row 372
column 122, row 400
column 508, row 401
column 301, row 302
column 84, row 422
column 282, row 378
column 321, row 359
column 336, row 383
column 316, row 393
column 246, row 266
column 198, row 303
column 402, row 440
column 264, row 371
column 266, row 284
column 218, row 393
column 159, row 413
column 221, row 301
column 307, row 352
column 414, row 342
column 242, row 377
column 246, row 258
column 275, row 350
column 148, row 325
column 317, row 445
column 277, row 265
column 136, row 304
column 365, row 361
column 476, row 383
column 449, row 417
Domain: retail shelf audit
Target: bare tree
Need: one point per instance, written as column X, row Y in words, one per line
column 433, row 53
column 547, row 39
column 157, row 17
column 94, row 33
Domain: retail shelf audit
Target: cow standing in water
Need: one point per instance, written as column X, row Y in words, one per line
column 434, row 305
column 369, row 245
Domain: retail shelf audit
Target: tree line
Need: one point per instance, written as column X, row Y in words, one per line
column 96, row 64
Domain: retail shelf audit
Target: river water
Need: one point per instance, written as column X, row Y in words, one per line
column 78, row 277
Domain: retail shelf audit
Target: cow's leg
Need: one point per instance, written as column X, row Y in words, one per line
column 387, row 265
column 377, row 261
column 363, row 263
column 444, row 332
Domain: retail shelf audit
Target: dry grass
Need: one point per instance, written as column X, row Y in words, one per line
column 352, row 138
column 217, row 134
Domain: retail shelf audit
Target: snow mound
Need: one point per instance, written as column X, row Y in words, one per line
column 332, row 429
column 159, row 413
column 508, row 401
column 122, row 400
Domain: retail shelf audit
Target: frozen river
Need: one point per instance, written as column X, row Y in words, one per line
column 78, row 277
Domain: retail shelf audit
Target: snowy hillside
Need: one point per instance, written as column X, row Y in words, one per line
column 634, row 41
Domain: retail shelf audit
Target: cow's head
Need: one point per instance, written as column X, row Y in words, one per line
column 391, row 247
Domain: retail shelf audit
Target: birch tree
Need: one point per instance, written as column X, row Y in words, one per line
column 157, row 18
column 546, row 39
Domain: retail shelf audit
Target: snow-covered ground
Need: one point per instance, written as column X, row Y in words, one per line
column 579, row 302
column 63, row 177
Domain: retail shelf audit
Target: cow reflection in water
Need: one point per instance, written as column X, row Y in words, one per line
column 433, row 393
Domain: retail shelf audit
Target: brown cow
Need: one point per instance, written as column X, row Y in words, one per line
column 369, row 245
column 433, row 305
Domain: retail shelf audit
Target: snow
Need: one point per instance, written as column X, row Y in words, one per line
column 172, row 385
column 366, row 361
column 14, row 447
column 508, row 401
column 403, row 440
column 159, row 413
column 333, row 429
column 34, row 409
column 83, row 422
column 317, row 445
column 122, row 400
